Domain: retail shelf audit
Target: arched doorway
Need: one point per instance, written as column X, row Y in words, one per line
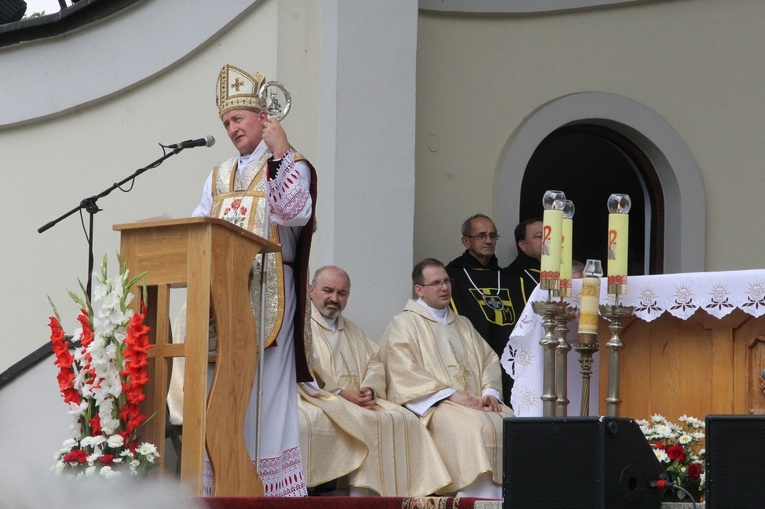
column 589, row 163
column 661, row 161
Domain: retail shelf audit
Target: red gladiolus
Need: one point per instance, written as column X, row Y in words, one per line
column 87, row 333
column 64, row 361
column 676, row 453
column 95, row 425
column 694, row 471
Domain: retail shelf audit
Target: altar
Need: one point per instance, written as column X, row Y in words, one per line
column 695, row 346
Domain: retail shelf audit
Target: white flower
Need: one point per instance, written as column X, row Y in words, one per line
column 68, row 444
column 663, row 430
column 115, row 441
column 657, row 418
column 147, row 449
column 661, row 455
column 685, row 439
column 108, row 472
column 135, row 464
column 92, row 441
column 90, row 471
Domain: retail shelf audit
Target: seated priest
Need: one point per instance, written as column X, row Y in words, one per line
column 439, row 367
column 347, row 427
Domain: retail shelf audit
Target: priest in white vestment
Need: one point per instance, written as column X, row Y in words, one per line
column 439, row 367
column 270, row 189
column 347, row 427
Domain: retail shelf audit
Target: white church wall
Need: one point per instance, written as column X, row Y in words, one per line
column 695, row 63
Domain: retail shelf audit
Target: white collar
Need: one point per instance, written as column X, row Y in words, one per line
column 438, row 314
column 256, row 154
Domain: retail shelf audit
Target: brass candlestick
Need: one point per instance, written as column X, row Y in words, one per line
column 548, row 310
column 615, row 313
column 586, row 346
column 564, row 314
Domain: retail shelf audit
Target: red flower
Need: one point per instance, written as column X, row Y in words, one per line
column 95, row 425
column 694, row 471
column 676, row 453
column 76, row 456
column 658, row 445
column 64, row 361
column 87, row 332
column 106, row 459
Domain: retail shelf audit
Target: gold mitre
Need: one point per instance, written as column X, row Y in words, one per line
column 238, row 90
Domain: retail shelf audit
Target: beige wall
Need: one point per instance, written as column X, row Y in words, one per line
column 697, row 64
column 49, row 166
column 160, row 87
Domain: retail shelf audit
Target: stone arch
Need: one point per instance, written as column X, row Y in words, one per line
column 678, row 173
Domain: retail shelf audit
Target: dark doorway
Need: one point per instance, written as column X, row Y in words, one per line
column 589, row 163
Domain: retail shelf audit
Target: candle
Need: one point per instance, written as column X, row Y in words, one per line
column 566, row 246
column 618, row 237
column 552, row 225
column 588, row 306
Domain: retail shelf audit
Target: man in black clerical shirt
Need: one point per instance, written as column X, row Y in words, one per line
column 491, row 298
column 528, row 240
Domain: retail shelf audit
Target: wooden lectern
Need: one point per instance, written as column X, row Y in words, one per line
column 212, row 259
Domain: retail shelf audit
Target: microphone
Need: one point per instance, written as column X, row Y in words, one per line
column 207, row 141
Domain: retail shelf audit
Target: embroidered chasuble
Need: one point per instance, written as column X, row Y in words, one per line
column 387, row 450
column 240, row 198
column 423, row 357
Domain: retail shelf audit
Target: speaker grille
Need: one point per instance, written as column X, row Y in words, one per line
column 735, row 461
column 578, row 463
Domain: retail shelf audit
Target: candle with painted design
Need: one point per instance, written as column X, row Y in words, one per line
column 618, row 237
column 566, row 246
column 552, row 224
column 589, row 304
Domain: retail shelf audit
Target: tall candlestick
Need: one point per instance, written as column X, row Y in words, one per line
column 618, row 237
column 552, row 225
column 566, row 246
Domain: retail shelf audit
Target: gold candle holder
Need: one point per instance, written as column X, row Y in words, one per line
column 586, row 346
column 564, row 314
column 615, row 313
column 548, row 310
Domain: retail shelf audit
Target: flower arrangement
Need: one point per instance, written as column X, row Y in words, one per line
column 103, row 381
column 679, row 450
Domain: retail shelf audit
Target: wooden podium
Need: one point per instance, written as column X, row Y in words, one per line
column 212, row 259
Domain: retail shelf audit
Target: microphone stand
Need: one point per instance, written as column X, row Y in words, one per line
column 91, row 207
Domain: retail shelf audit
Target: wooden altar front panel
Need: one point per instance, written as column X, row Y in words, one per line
column 699, row 366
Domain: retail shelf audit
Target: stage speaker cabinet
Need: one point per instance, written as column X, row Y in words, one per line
column 578, row 462
column 735, row 457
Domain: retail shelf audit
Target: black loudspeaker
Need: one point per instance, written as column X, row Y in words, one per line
column 578, row 462
column 735, row 456
column 12, row 10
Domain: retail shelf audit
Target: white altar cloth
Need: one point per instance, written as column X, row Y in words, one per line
column 681, row 295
